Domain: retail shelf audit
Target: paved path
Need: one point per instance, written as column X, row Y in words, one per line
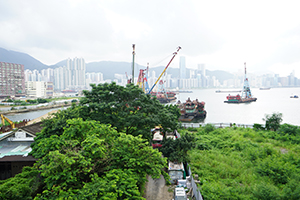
column 156, row 189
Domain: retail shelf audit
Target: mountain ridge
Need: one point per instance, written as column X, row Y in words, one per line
column 108, row 68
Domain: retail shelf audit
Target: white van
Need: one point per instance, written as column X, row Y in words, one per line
column 179, row 194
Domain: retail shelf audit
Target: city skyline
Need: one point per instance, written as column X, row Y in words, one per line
column 197, row 78
column 221, row 34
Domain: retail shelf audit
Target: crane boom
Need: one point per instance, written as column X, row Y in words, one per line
column 174, row 54
column 3, row 118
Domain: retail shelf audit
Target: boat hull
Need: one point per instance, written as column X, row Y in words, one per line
column 248, row 100
column 166, row 100
column 192, row 116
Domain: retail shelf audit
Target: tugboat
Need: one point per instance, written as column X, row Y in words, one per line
column 191, row 110
column 246, row 94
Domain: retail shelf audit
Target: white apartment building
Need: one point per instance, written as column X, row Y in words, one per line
column 38, row 89
column 75, row 73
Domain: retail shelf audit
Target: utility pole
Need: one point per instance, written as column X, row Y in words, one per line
column 133, row 54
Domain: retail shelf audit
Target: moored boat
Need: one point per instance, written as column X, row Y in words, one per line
column 227, row 91
column 164, row 97
column 294, row 96
column 191, row 110
column 238, row 99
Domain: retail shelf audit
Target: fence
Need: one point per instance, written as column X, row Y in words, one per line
column 196, row 192
column 217, row 125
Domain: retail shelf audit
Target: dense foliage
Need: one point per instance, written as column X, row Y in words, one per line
column 128, row 109
column 177, row 150
column 273, row 121
column 244, row 163
column 97, row 150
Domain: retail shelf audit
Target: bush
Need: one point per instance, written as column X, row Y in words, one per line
column 209, row 128
column 266, row 191
column 289, row 129
column 39, row 100
column 22, row 186
column 273, row 121
column 258, row 127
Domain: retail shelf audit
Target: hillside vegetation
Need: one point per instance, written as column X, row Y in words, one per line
column 243, row 163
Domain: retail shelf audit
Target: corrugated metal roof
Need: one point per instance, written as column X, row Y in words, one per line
column 4, row 134
column 21, row 150
column 33, row 128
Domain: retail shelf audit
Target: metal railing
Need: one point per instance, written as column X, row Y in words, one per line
column 196, row 192
column 217, row 125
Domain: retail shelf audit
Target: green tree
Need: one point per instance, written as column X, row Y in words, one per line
column 273, row 121
column 128, row 109
column 177, row 150
column 22, row 186
column 88, row 154
column 40, row 100
column 33, row 101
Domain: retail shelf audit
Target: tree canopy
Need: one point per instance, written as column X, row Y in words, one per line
column 98, row 149
column 91, row 160
column 128, row 109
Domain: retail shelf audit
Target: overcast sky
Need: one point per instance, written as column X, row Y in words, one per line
column 221, row 34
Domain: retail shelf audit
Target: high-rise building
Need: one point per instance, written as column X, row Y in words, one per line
column 182, row 71
column 202, row 71
column 12, row 79
column 75, row 73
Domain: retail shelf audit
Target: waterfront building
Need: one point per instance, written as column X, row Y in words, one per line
column 12, row 79
column 39, row 89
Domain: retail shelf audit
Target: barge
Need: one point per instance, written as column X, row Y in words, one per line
column 246, row 93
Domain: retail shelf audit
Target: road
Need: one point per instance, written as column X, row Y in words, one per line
column 156, row 189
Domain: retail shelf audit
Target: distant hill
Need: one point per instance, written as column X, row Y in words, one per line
column 108, row 68
column 21, row 58
column 220, row 75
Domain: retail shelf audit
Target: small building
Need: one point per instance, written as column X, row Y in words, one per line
column 14, row 150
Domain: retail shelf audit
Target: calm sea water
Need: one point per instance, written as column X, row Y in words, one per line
column 268, row 102
column 275, row 100
column 29, row 115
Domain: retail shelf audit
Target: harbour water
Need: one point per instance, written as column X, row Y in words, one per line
column 275, row 100
column 29, row 115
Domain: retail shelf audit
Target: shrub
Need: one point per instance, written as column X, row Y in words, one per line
column 266, row 191
column 258, row 127
column 209, row 128
column 192, row 129
column 289, row 129
column 273, row 121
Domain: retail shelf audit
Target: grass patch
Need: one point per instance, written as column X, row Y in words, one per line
column 244, row 163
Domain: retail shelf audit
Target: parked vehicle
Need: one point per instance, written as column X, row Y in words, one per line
column 180, row 194
column 176, row 172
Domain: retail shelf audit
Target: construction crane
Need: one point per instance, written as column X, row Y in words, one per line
column 142, row 81
column 174, row 54
column 133, row 55
column 3, row 118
